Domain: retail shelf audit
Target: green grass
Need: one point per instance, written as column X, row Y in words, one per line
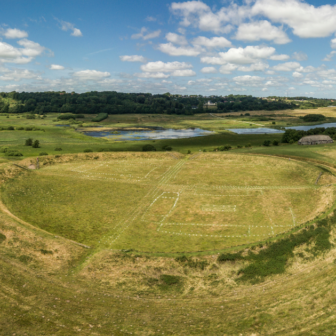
column 50, row 286
column 155, row 203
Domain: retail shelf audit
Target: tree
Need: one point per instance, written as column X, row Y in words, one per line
column 29, row 142
column 36, row 144
column 148, row 148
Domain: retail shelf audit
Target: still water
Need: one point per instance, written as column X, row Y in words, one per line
column 273, row 131
column 150, row 135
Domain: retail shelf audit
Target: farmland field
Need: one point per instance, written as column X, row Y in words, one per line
column 169, row 203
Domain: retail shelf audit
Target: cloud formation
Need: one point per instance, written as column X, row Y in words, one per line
column 11, row 33
column 133, row 58
column 146, row 35
column 70, row 26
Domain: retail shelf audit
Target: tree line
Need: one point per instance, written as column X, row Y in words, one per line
column 112, row 102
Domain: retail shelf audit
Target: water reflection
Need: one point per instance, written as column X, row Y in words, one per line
column 149, row 135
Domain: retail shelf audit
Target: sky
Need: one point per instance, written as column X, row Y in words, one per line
column 251, row 47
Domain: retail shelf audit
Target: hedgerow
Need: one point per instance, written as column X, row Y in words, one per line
column 275, row 257
column 100, row 117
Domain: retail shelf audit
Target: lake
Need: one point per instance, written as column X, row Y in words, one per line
column 261, row 130
column 149, row 135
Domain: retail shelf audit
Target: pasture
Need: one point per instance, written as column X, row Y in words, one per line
column 169, row 203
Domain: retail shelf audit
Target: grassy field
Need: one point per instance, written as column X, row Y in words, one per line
column 277, row 203
column 163, row 203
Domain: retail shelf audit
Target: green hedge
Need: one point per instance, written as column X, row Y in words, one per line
column 100, row 117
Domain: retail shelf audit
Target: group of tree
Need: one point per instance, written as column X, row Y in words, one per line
column 33, row 143
column 112, row 102
column 292, row 135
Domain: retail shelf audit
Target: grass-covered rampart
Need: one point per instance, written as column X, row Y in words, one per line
column 273, row 257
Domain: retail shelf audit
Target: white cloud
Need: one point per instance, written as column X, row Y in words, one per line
column 70, row 26
column 248, row 55
column 177, row 39
column 300, row 56
column 215, row 42
column 279, row 57
column 76, row 32
column 14, row 33
column 248, row 80
column 170, row 49
column 209, row 70
column 226, row 69
column 259, row 66
column 91, row 75
column 200, row 15
column 150, row 19
column 18, row 75
column 329, row 57
column 31, row 49
column 160, row 66
column 288, row 66
column 183, row 73
column 305, row 19
column 261, row 30
column 297, row 74
column 56, row 67
column 145, row 35
column 133, row 58
column 181, row 30
column 24, row 55
column 333, row 43
column 152, row 75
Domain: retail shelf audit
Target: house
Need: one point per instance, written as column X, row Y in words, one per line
column 315, row 140
column 210, row 104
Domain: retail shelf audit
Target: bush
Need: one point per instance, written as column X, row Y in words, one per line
column 25, row 259
column 88, row 150
column 2, row 238
column 43, row 153
column 13, row 153
column 100, row 117
column 36, row 144
column 314, row 117
column 170, row 279
column 58, row 149
column 148, row 148
column 239, row 146
column 10, row 128
column 3, row 149
column 248, row 145
column 29, row 128
column 224, row 148
column 229, row 257
column 189, row 151
column 267, row 143
column 68, row 116
column 20, row 128
column 167, row 148
column 275, row 143
column 29, row 142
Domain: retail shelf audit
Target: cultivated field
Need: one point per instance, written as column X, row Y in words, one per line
column 169, row 203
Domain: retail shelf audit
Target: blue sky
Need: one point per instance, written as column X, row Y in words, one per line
column 257, row 47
